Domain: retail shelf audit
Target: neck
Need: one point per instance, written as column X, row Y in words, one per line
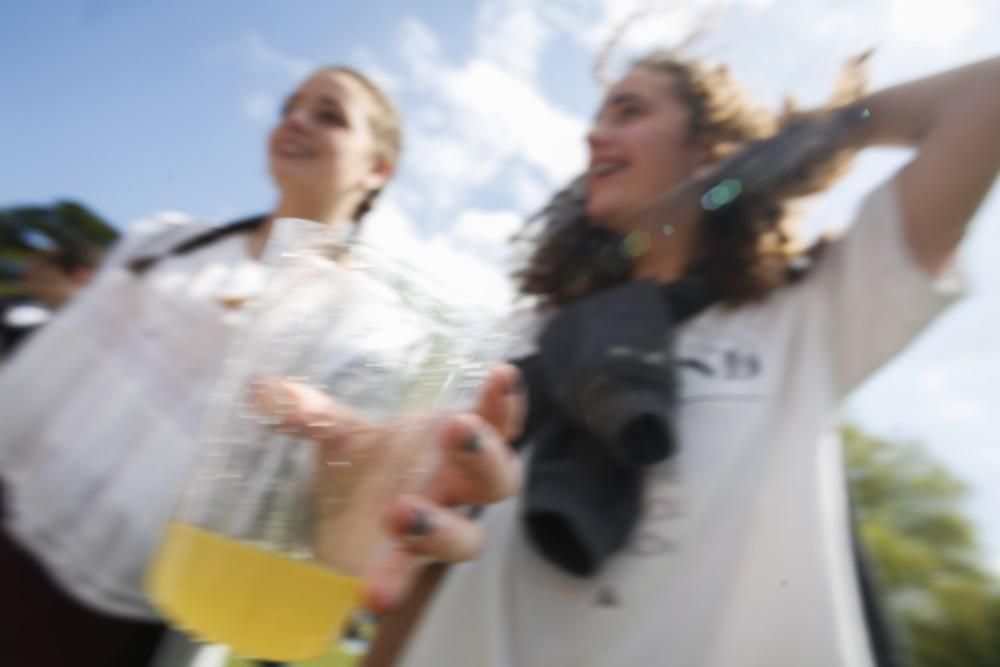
column 662, row 263
column 668, row 257
column 334, row 214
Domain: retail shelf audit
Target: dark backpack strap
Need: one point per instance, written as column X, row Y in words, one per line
column 143, row 263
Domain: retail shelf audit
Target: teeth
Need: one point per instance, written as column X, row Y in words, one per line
column 293, row 148
column 605, row 168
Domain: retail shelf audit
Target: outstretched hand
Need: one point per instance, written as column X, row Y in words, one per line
column 466, row 460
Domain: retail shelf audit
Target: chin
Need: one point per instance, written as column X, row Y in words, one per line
column 285, row 174
column 603, row 210
column 608, row 220
column 277, row 170
column 597, row 211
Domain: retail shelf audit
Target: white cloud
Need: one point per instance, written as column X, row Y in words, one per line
column 487, row 114
column 462, row 272
column 530, row 192
column 390, row 228
column 932, row 23
column 420, row 48
column 960, row 409
column 265, row 57
column 512, row 35
column 520, row 120
column 260, row 107
column 449, row 165
column 844, row 24
column 364, row 60
column 664, row 25
column 466, row 274
column 487, row 234
column 657, row 24
column 946, row 392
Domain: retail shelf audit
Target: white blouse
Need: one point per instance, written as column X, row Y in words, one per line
column 99, row 411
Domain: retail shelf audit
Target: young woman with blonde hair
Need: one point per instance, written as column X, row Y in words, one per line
column 101, row 409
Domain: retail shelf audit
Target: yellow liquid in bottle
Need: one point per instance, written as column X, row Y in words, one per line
column 261, row 604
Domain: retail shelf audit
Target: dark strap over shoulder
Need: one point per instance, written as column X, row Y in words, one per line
column 143, row 263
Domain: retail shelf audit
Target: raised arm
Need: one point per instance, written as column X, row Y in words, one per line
column 953, row 120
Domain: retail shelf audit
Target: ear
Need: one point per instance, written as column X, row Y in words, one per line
column 382, row 170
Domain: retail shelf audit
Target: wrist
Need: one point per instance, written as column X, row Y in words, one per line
column 856, row 125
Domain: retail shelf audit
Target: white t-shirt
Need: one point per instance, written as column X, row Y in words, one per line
column 742, row 557
column 101, row 408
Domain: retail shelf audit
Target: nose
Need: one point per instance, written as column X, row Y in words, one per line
column 297, row 118
column 597, row 136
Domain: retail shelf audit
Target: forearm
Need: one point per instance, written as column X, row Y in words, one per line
column 394, row 631
column 965, row 99
column 953, row 121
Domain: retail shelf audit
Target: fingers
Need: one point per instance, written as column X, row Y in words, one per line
column 303, row 410
column 423, row 532
column 502, row 402
column 474, row 466
column 477, row 467
column 427, row 529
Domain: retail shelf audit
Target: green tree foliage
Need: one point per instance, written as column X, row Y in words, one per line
column 924, row 552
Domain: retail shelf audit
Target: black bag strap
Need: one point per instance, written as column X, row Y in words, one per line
column 144, row 262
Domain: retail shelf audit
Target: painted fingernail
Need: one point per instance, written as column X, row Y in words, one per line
column 472, row 443
column 420, row 524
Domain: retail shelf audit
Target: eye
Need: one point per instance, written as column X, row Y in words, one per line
column 628, row 111
column 331, row 118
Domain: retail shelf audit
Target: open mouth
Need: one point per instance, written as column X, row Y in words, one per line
column 292, row 148
column 605, row 169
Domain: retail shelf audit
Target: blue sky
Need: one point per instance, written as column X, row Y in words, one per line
column 139, row 106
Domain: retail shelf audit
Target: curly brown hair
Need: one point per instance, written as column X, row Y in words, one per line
column 762, row 162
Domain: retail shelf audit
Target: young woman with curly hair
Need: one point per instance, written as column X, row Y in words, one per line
column 681, row 506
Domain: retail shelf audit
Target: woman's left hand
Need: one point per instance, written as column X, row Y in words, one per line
column 472, row 464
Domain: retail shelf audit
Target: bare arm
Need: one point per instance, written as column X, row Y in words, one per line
column 953, row 120
column 394, row 630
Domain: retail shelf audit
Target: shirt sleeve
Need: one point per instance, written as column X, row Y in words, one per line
column 871, row 296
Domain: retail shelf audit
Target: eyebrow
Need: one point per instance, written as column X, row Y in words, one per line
column 323, row 99
column 332, row 101
column 619, row 99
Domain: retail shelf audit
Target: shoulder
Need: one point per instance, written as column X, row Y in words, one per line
column 155, row 233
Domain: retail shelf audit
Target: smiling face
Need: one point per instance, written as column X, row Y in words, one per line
column 324, row 149
column 640, row 147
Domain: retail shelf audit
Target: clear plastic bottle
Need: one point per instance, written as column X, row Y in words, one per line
column 241, row 563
